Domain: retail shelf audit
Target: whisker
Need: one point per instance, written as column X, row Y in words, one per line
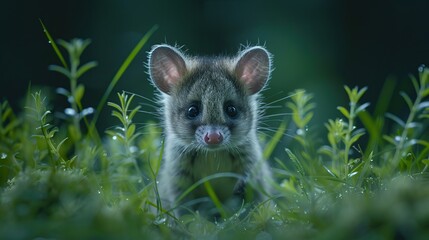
column 142, row 97
column 274, row 95
column 268, row 103
column 149, row 112
column 264, row 129
column 143, row 128
column 281, row 99
column 148, row 105
column 270, row 107
column 276, row 115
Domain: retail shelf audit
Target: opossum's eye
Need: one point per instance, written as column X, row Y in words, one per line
column 193, row 111
column 231, row 111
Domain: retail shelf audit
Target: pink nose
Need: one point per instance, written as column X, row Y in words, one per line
column 213, row 138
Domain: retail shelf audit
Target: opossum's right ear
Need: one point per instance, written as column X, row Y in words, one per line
column 166, row 67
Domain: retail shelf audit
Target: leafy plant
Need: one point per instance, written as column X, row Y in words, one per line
column 342, row 135
column 47, row 133
column 124, row 166
column 339, row 185
column 410, row 129
column 76, row 112
column 9, row 124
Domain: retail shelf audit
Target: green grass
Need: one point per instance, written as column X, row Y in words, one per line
column 365, row 177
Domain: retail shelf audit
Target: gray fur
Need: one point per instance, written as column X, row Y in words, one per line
column 210, row 83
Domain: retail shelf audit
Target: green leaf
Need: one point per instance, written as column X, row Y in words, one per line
column 281, row 164
column 415, row 83
column 425, row 92
column 120, row 72
column 361, row 93
column 52, row 132
column 330, row 172
column 54, row 46
column 63, row 91
column 410, row 143
column 119, row 116
column 130, row 131
column 395, row 119
column 60, row 144
column 114, row 105
column 407, row 100
column 289, row 185
column 369, row 123
column 210, row 191
column 362, row 107
column 80, row 90
column 61, row 70
column 307, row 118
column 344, row 111
column 423, row 105
column 269, row 148
column 296, row 119
column 86, row 67
column 9, row 127
column 390, row 140
column 110, row 132
column 292, row 106
column 133, row 112
column 327, row 150
column 208, row 178
column 349, row 91
column 45, row 115
column 295, row 161
column 68, row 46
column 385, row 97
column 423, row 143
column 128, row 101
column 356, row 137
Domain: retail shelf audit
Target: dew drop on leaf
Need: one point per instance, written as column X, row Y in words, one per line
column 3, row 156
column 133, row 149
column 161, row 219
column 87, row 111
column 70, row 111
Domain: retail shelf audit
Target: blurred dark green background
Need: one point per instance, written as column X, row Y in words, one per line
column 317, row 45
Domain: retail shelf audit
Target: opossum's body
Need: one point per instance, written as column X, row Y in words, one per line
column 210, row 109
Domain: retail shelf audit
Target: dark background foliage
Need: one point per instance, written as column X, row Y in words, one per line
column 317, row 45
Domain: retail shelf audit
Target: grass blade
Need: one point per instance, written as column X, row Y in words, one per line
column 53, row 44
column 121, row 71
column 215, row 199
column 275, row 140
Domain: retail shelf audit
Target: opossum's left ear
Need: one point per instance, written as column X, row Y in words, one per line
column 254, row 68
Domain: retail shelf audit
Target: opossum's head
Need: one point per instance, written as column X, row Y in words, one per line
column 210, row 102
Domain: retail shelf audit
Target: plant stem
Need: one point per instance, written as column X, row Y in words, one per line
column 400, row 147
column 348, row 138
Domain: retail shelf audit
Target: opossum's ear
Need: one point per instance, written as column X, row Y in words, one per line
column 166, row 67
column 254, row 68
